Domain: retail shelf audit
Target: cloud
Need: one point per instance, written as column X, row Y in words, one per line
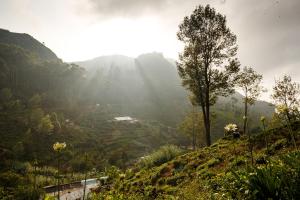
column 126, row 8
column 268, row 33
column 267, row 30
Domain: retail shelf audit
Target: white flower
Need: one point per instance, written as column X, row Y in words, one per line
column 230, row 127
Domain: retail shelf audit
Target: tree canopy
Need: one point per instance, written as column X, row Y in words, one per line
column 207, row 63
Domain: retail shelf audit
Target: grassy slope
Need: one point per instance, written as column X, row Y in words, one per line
column 196, row 175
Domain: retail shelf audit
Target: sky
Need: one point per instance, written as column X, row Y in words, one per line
column 268, row 31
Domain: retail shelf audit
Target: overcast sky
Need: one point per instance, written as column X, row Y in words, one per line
column 268, row 31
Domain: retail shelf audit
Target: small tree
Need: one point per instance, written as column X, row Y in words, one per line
column 207, row 63
column 249, row 82
column 85, row 174
column 58, row 148
column 192, row 125
column 263, row 122
column 45, row 125
column 286, row 96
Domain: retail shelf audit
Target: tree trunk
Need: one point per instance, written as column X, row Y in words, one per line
column 58, row 181
column 208, row 140
column 207, row 124
column 85, row 176
column 207, row 127
column 194, row 135
column 245, row 115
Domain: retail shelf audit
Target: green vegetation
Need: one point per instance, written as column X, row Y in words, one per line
column 192, row 126
column 59, row 122
column 221, row 171
column 160, row 156
column 207, row 64
column 249, row 81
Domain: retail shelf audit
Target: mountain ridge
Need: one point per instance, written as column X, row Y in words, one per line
column 29, row 43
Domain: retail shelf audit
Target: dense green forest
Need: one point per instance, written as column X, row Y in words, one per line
column 156, row 128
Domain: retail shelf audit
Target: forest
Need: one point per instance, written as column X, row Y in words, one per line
column 148, row 127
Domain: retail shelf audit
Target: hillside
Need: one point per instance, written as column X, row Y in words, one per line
column 44, row 101
column 27, row 42
column 221, row 171
column 146, row 88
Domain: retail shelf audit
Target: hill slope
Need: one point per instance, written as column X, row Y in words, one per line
column 35, row 92
column 222, row 171
column 27, row 42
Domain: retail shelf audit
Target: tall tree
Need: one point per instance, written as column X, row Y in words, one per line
column 207, row 63
column 249, row 82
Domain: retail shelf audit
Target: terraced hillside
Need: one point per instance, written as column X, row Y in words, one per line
column 225, row 170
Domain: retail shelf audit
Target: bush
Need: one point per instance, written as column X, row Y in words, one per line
column 278, row 180
column 162, row 155
column 10, row 179
column 27, row 193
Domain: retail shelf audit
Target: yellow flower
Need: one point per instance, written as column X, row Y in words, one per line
column 59, row 146
column 122, row 176
column 281, row 108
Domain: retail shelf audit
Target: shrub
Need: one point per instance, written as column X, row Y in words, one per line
column 162, row 155
column 278, row 180
column 27, row 193
column 10, row 179
column 239, row 161
column 213, row 162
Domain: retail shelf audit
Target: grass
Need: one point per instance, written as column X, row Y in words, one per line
column 202, row 174
column 160, row 156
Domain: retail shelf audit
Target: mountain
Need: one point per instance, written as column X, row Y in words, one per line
column 45, row 101
column 149, row 87
column 27, row 42
column 146, row 87
column 92, row 94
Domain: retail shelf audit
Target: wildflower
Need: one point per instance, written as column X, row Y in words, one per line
column 230, row 127
column 122, row 176
column 59, row 146
column 262, row 118
column 281, row 108
column 244, row 117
